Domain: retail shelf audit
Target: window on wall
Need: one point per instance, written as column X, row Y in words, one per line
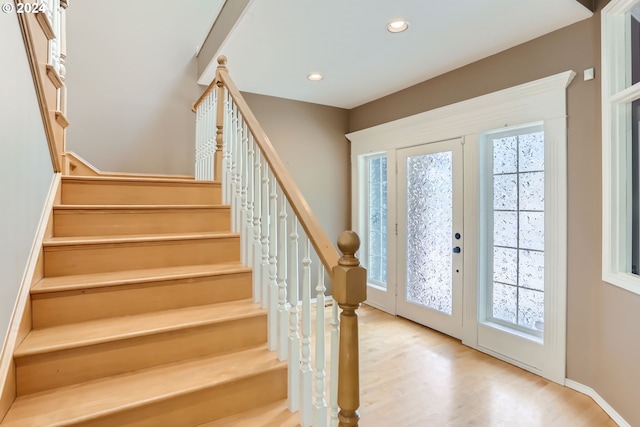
column 515, row 202
column 376, row 223
column 620, row 141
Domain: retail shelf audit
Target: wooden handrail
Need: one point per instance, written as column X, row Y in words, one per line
column 322, row 244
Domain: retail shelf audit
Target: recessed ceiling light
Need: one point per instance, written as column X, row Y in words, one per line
column 315, row 77
column 397, row 26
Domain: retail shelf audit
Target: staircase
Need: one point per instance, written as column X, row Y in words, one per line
column 144, row 316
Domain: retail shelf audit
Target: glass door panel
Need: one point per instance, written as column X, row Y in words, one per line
column 429, row 230
column 430, row 235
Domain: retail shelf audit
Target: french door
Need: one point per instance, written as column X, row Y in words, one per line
column 430, row 235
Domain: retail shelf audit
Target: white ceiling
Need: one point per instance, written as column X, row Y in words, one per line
column 277, row 43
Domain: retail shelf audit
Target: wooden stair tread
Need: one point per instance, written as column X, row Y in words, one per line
column 272, row 415
column 140, row 179
column 124, row 208
column 111, row 329
column 116, row 278
column 87, row 401
column 134, row 238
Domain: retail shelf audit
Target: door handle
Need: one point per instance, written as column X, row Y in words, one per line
column 457, row 250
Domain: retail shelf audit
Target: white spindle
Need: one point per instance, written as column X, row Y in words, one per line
column 212, row 131
column 283, row 324
column 248, row 232
column 237, row 198
column 226, row 129
column 294, row 337
column 305, row 366
column 239, row 170
column 319, row 403
column 273, row 268
column 244, row 156
column 264, row 236
column 257, row 223
column 333, row 363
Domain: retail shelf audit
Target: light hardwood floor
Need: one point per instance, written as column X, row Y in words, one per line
column 412, row 376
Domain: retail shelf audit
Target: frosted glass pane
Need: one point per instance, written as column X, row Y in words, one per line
column 505, row 229
column 374, row 200
column 505, row 155
column 531, row 269
column 505, row 265
column 530, row 308
column 531, row 152
column 505, row 192
column 505, row 302
column 429, row 230
column 377, row 221
column 532, row 230
column 532, row 191
column 374, row 170
column 374, row 268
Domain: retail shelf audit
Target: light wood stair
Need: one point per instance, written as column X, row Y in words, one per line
column 144, row 316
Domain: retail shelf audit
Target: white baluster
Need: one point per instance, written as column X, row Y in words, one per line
column 293, row 400
column 333, row 363
column 244, row 149
column 227, row 181
column 235, row 186
column 264, row 236
column 62, row 35
column 209, row 147
column 248, row 232
column 273, row 254
column 232, row 150
column 239, row 166
column 319, row 403
column 257, row 246
column 305, row 366
column 283, row 324
column 198, row 133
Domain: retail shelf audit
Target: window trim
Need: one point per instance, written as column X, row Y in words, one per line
column 616, row 219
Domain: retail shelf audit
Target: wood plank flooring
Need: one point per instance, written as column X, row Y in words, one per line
column 412, row 376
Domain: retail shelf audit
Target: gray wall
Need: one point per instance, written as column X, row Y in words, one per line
column 131, row 81
column 602, row 341
column 26, row 173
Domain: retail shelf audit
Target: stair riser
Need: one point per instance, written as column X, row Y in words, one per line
column 203, row 405
column 78, row 192
column 55, row 369
column 58, row 308
column 99, row 258
column 106, row 222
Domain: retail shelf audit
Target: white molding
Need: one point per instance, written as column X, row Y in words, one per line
column 10, row 340
column 615, row 416
column 522, row 104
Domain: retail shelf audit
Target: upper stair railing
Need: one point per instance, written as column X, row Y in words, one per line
column 43, row 26
column 269, row 212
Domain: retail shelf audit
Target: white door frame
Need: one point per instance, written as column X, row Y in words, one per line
column 541, row 100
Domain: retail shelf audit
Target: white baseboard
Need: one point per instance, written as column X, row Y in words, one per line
column 617, row 418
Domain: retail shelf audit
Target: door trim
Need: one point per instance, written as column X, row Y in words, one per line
column 540, row 100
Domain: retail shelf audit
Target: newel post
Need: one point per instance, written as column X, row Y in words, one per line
column 349, row 290
column 217, row 165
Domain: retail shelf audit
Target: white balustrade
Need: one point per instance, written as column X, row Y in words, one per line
column 319, row 403
column 305, row 365
column 294, row 336
column 282, row 283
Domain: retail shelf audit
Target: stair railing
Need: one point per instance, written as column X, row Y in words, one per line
column 269, row 212
column 43, row 26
